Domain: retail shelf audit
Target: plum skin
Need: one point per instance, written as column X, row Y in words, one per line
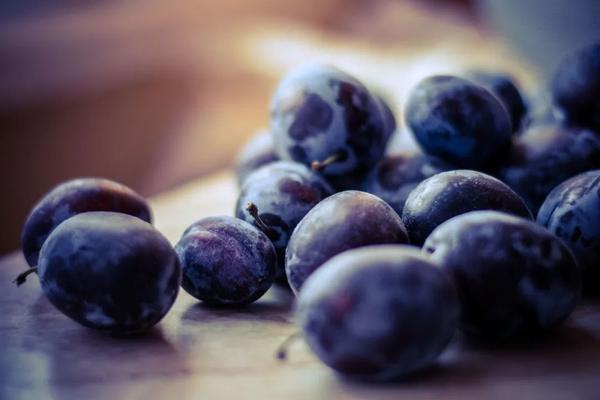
column 341, row 222
column 515, row 280
column 226, row 261
column 319, row 111
column 458, row 121
column 546, row 155
column 378, row 312
column 396, row 176
column 109, row 271
column 572, row 212
column 503, row 87
column 575, row 87
column 451, row 193
column 283, row 192
column 74, row 197
column 257, row 152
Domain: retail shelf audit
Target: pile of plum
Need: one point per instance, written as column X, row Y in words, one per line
column 389, row 251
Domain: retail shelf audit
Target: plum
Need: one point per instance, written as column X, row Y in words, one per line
column 504, row 87
column 396, row 176
column 458, row 121
column 378, row 312
column 572, row 212
column 276, row 197
column 546, row 155
column 325, row 118
column 258, row 151
column 74, row 197
column 341, row 222
column 576, row 87
column 109, row 271
column 226, row 261
column 515, row 279
column 451, row 193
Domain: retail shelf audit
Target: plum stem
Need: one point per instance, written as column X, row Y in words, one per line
column 22, row 277
column 319, row 165
column 283, row 349
column 253, row 210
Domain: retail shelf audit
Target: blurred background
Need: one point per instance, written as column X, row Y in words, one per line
column 156, row 93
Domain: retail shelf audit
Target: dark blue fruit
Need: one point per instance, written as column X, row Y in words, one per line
column 276, row 197
column 109, row 271
column 226, row 261
column 75, row 197
column 504, row 88
column 378, row 312
column 341, row 222
column 576, row 87
column 514, row 278
column 572, row 212
column 458, row 121
column 258, row 151
column 451, row 193
column 396, row 176
column 546, row 155
column 323, row 117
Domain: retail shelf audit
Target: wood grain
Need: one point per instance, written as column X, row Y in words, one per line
column 201, row 353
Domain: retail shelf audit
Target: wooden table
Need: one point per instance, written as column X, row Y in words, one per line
column 201, row 353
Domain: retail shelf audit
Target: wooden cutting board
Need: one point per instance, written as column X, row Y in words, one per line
column 202, row 353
